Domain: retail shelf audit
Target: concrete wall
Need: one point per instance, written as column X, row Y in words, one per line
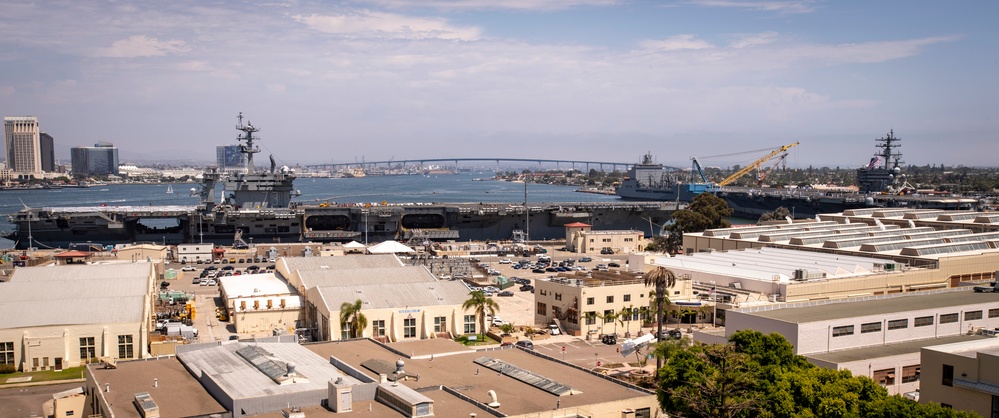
column 264, row 320
column 868, row 367
column 966, row 367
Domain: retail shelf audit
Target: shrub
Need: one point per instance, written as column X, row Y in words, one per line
column 7, row 368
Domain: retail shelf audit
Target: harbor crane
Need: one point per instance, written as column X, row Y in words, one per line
column 761, row 176
column 756, row 164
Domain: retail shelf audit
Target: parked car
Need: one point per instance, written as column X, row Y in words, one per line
column 526, row 288
column 539, row 271
column 506, row 293
column 506, row 261
column 213, row 282
column 613, row 265
column 601, row 267
column 606, row 250
column 585, row 260
column 196, row 280
column 497, row 321
column 189, row 268
column 204, row 282
column 609, row 339
column 553, row 329
column 524, row 343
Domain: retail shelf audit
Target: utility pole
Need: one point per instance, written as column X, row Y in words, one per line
column 527, row 213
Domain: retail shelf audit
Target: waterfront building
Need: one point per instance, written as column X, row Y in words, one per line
column 56, row 317
column 230, row 159
column 47, row 149
column 604, row 303
column 23, row 144
column 580, row 238
column 876, row 336
column 962, row 376
column 98, row 160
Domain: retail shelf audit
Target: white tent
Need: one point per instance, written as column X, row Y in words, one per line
column 390, row 247
column 353, row 246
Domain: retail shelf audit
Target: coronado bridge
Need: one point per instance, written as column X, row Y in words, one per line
column 540, row 162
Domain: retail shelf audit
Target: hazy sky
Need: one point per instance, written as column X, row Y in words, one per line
column 605, row 80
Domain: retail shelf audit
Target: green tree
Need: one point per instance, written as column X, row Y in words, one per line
column 350, row 314
column 706, row 211
column 480, row 304
column 708, row 381
column 662, row 278
column 778, row 214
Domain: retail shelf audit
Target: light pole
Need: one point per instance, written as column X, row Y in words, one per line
column 714, row 305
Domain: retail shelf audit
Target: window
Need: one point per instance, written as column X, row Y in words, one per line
column 898, row 324
column 589, row 301
column 973, row 315
column 469, row 327
column 378, row 328
column 948, row 375
column 922, row 321
column 948, row 318
column 7, row 353
column 125, row 346
column 556, row 311
column 995, row 406
column 409, row 328
column 591, row 318
column 541, row 309
column 558, row 296
column 627, row 298
column 440, row 324
column 608, row 316
column 87, row 349
column 870, row 327
column 884, row 377
column 841, row 331
column 543, row 292
column 610, row 299
column 994, row 313
column 910, row 374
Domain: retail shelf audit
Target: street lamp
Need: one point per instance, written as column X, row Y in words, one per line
column 714, row 305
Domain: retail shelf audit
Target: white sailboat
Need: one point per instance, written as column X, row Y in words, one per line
column 169, row 189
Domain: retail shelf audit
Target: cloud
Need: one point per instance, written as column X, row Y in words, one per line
column 525, row 5
column 374, row 24
column 790, row 6
column 744, row 41
column 676, row 43
column 7, row 90
column 142, row 46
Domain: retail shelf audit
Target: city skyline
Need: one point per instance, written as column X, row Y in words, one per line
column 587, row 79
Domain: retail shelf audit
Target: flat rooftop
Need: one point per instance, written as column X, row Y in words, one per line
column 460, row 372
column 176, row 391
column 805, row 312
column 764, row 264
column 888, row 350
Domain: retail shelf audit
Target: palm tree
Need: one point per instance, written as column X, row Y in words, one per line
column 481, row 305
column 611, row 316
column 661, row 278
column 590, row 319
column 627, row 314
column 350, row 313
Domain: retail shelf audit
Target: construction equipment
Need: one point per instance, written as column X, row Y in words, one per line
column 755, row 165
column 761, row 175
column 696, row 166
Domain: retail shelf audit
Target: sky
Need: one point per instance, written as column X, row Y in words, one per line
column 595, row 80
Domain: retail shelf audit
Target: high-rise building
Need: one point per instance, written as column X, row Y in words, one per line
column 47, row 149
column 98, row 160
column 22, row 140
column 230, row 160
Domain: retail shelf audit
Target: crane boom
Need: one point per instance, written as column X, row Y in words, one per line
column 756, row 164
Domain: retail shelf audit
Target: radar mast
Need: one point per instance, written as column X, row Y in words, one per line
column 248, row 149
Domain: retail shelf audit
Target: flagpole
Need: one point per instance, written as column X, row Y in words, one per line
column 714, row 305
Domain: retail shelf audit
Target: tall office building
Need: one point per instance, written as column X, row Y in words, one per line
column 229, row 159
column 98, row 160
column 22, row 140
column 47, row 148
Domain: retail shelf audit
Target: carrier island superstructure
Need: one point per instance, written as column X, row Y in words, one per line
column 258, row 206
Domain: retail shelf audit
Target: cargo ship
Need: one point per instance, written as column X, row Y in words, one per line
column 880, row 185
column 258, row 206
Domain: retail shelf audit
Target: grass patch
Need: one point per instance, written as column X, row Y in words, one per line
column 482, row 340
column 47, row 375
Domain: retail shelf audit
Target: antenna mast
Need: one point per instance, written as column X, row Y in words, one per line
column 249, row 149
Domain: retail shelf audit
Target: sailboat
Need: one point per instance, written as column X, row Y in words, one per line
column 169, row 189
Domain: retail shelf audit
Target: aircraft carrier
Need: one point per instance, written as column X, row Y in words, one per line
column 258, row 206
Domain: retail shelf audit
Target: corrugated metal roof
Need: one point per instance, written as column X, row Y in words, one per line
column 396, row 295
column 74, row 295
column 341, row 262
column 764, row 263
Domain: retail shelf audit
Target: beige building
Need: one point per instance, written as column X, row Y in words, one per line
column 23, row 144
column 581, row 239
column 57, row 317
column 581, row 304
column 142, row 252
column 962, row 376
column 191, row 253
column 260, row 303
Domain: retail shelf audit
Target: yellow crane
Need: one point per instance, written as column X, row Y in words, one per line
column 756, row 164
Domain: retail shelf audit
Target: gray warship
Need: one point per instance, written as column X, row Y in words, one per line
column 258, row 206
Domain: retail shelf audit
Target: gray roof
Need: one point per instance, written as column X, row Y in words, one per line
column 764, row 263
column 888, row 350
column 240, row 379
column 340, row 262
column 872, row 306
column 74, row 295
column 396, row 295
column 361, row 276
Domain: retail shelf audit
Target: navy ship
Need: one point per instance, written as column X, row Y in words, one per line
column 259, row 206
column 881, row 184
